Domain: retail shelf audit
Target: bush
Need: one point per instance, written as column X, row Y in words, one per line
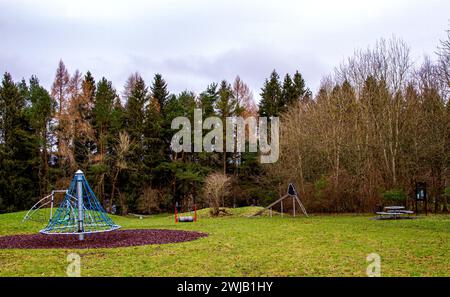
column 394, row 195
column 447, row 191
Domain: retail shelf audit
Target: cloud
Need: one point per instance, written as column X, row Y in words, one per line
column 193, row 43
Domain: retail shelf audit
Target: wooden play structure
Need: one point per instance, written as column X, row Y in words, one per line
column 291, row 193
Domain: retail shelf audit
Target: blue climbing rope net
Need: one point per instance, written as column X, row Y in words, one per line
column 69, row 218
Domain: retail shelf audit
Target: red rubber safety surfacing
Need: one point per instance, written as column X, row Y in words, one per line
column 113, row 239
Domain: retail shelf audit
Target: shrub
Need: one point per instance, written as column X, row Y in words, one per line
column 447, row 191
column 394, row 195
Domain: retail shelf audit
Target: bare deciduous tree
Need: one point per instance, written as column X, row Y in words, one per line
column 122, row 148
column 149, row 201
column 61, row 92
column 129, row 84
column 444, row 65
column 388, row 60
column 375, row 126
column 216, row 188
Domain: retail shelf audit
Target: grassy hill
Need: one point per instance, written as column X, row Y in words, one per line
column 325, row 245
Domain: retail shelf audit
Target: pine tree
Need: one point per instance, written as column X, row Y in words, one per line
column 88, row 87
column 156, row 109
column 301, row 92
column 181, row 105
column 119, row 149
column 159, row 91
column 226, row 106
column 41, row 111
column 288, row 93
column 117, row 118
column 105, row 97
column 208, row 100
column 18, row 149
column 188, row 103
column 135, row 109
column 270, row 96
column 134, row 125
column 153, row 142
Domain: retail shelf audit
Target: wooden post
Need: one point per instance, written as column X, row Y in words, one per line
column 270, row 211
column 293, row 206
column 270, row 205
column 195, row 213
column 301, row 206
column 281, row 207
column 176, row 214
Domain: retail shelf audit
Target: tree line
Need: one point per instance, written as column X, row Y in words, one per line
column 376, row 127
column 121, row 141
column 377, row 124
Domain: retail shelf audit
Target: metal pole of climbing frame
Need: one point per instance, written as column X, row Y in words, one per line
column 51, row 205
column 79, row 174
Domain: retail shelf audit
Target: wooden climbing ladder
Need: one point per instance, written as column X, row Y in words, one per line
column 291, row 193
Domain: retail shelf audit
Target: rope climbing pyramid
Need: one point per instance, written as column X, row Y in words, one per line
column 80, row 212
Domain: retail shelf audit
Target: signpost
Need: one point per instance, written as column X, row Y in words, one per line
column 421, row 195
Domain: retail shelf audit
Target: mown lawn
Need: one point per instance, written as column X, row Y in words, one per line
column 322, row 245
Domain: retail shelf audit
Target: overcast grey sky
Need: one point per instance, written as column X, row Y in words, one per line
column 193, row 43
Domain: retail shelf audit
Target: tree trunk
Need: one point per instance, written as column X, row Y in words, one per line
column 113, row 189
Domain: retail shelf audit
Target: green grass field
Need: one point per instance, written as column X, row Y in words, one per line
column 322, row 245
